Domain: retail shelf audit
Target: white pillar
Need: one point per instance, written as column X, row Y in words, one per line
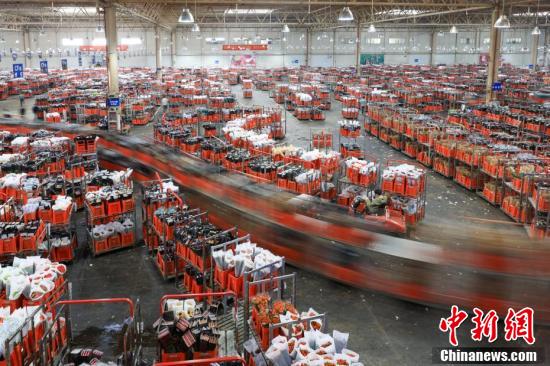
column 535, row 51
column 158, row 53
column 112, row 44
column 307, row 46
column 358, row 48
column 26, row 47
column 432, row 46
column 494, row 48
column 173, row 47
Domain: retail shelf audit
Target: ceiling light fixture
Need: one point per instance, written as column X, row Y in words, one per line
column 186, row 16
column 536, row 30
column 345, row 15
column 286, row 29
column 502, row 21
column 453, row 30
column 195, row 28
column 372, row 28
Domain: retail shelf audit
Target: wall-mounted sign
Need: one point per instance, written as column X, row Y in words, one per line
column 17, row 71
column 89, row 48
column 371, row 58
column 483, row 58
column 243, row 61
column 44, row 66
column 244, row 47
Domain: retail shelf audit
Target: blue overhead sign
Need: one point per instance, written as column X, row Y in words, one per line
column 113, row 102
column 17, row 71
column 497, row 86
column 44, row 66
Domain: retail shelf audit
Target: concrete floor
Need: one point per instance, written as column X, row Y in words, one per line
column 383, row 330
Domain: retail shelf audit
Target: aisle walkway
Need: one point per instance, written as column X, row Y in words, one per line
column 383, row 330
column 449, row 206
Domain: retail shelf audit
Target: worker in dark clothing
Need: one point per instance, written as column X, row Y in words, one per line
column 21, row 100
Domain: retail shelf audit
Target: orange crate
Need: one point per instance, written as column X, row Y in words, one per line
column 113, row 242
column 235, row 284
column 45, row 215
column 221, row 276
column 100, row 245
column 9, row 246
column 127, row 239
column 172, row 357
column 63, row 253
column 62, row 216
column 114, row 208
column 97, row 211
column 128, row 204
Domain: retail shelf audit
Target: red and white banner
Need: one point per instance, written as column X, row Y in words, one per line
column 244, row 47
column 90, row 48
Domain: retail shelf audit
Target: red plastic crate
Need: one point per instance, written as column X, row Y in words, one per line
column 113, row 242
column 127, row 239
column 100, row 245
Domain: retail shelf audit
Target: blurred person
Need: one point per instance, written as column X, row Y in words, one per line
column 21, row 100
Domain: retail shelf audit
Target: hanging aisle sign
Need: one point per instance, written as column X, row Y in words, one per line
column 64, row 64
column 44, row 66
column 17, row 71
column 244, row 47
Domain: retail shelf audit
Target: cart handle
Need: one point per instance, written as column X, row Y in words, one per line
column 188, row 296
column 178, row 198
column 157, row 176
column 99, row 301
column 206, row 361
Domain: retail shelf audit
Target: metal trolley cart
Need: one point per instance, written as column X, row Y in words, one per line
column 222, row 361
column 59, row 339
column 219, row 312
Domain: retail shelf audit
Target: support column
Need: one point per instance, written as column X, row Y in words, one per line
column 456, row 46
column 158, row 53
column 546, row 41
column 432, row 46
column 494, row 50
column 333, row 47
column 535, row 51
column 112, row 63
column 358, row 48
column 26, row 47
column 112, row 44
column 173, row 47
column 307, row 46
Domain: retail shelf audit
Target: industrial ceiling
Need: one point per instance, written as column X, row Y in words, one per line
column 314, row 14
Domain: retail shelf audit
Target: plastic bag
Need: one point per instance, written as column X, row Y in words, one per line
column 340, row 340
column 353, row 356
column 18, row 286
column 278, row 355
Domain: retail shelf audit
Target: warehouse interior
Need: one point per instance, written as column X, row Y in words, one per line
column 274, row 182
